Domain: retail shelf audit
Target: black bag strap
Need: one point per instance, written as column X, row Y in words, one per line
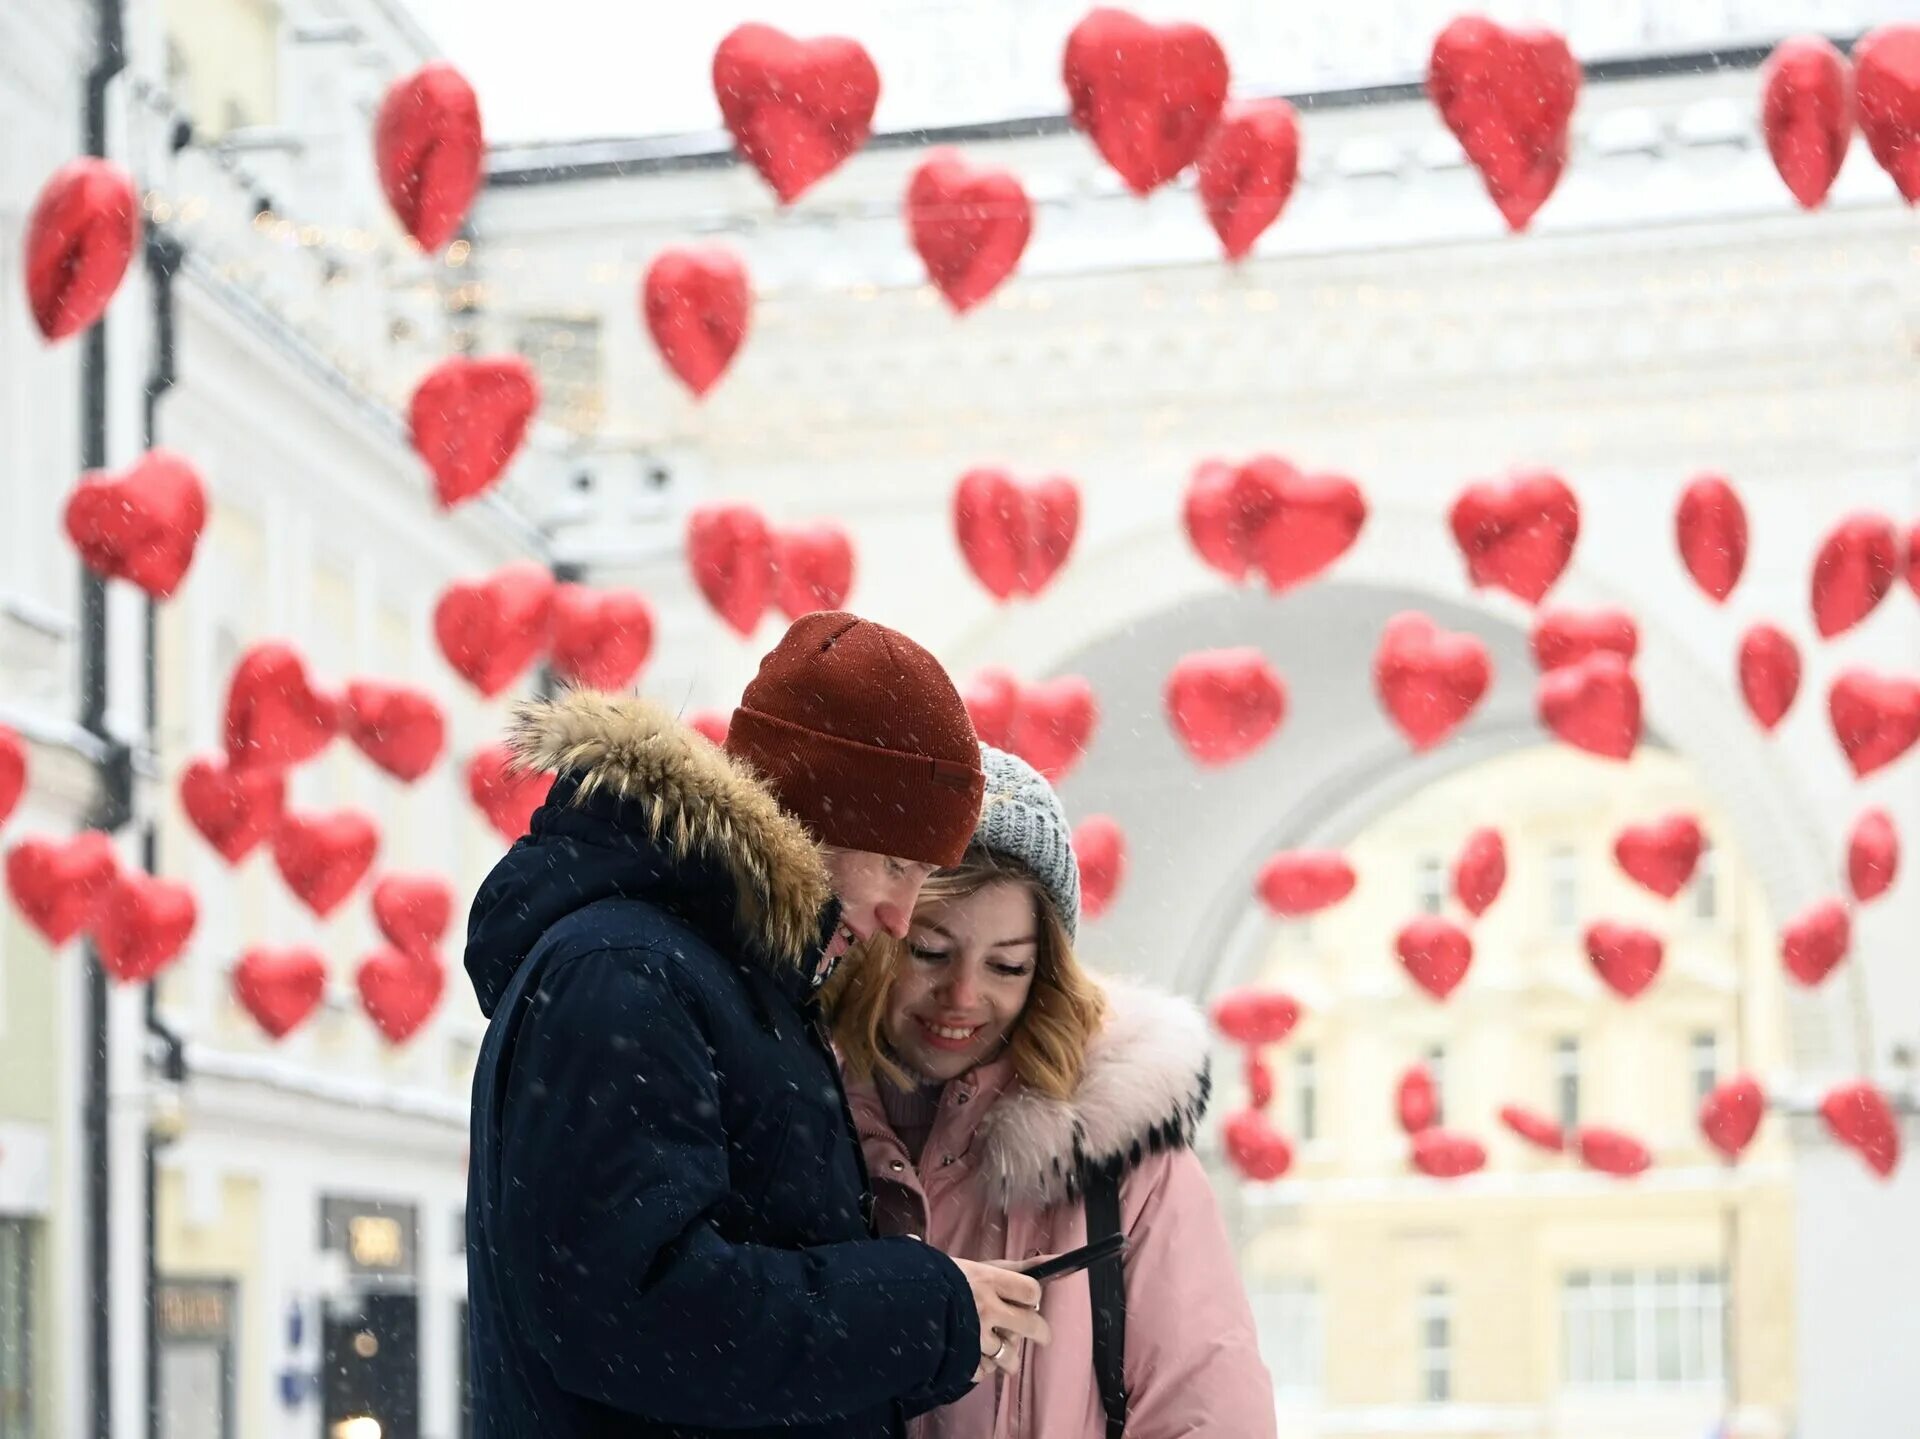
column 1106, row 1282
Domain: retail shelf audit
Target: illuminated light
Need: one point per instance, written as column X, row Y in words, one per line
column 365, row 1427
column 195, row 207
column 458, row 252
column 604, row 273
column 162, row 212
column 312, row 235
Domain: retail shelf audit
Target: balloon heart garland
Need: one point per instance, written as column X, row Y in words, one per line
column 796, row 108
column 413, row 911
column 491, row 630
column 429, row 151
column 1015, row 537
column 1267, row 516
column 1429, row 680
column 323, row 858
column 1730, row 1116
column 1256, row 1149
column 506, row 794
column 1247, row 169
column 1565, row 637
column 1593, row 705
column 742, row 564
column 1769, row 669
column 399, row 728
column 1255, row 1016
column 968, row 226
column 400, row 992
column 601, row 638
column 275, row 716
column 469, row 419
column 1100, row 846
column 13, row 771
column 280, row 988
column 1815, row 941
column 1436, row 953
column 1875, row 719
column 1224, row 704
column 142, row 526
column 1626, row 957
column 1507, row 96
column 141, row 924
column 697, row 305
column 1299, row 882
column 1049, row 724
column 1536, row 1129
column 1806, row 114
column 1663, row 855
column 58, row 884
column 234, row 809
column 1873, row 855
column 812, row 569
column 1146, row 94
column 1886, row 69
column 1858, row 1116
column 1517, row 535
column 1710, row 528
column 81, row 237
column 1480, row 872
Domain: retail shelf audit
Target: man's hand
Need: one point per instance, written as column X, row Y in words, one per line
column 1009, row 1306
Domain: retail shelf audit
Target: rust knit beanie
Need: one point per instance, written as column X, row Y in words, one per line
column 863, row 738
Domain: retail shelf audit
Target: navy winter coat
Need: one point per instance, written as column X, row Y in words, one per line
column 667, row 1210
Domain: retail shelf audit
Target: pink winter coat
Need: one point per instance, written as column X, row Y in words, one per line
column 992, row 1183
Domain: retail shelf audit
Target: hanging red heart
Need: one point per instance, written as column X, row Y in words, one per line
column 1259, row 1076
column 1876, row 720
column 1265, row 515
column 1536, row 1129
column 275, row 716
column 1436, row 953
column 992, row 698
column 1101, row 846
column 1507, row 96
column 1049, row 725
column 1015, row 537
column 1247, row 169
column 280, row 987
column 1769, row 673
column 1416, row 1102
column 1853, row 573
column 1517, row 535
column 1445, row 1155
column 429, row 150
column 57, row 884
column 1480, row 872
column 601, row 638
column 491, row 630
column 1710, row 527
column 1626, row 957
column 1612, row 1152
column 399, row 991
column 1873, row 855
column 469, row 418
column 1730, row 1116
column 1661, row 855
column 1224, row 704
column 731, row 551
column 1145, row 94
column 413, row 911
column 1886, row 78
column 1806, row 114
column 140, row 526
column 1565, row 637
column 1858, row 1116
column 81, row 237
column 812, row 569
column 1816, row 940
column 506, row 794
column 1255, row 1016
column 1593, row 705
column 968, row 226
column 711, row 724
column 1913, row 559
column 233, row 809
column 399, row 728
column 141, row 925
column 324, row 857
column 1299, row 882
column 1429, row 679
column 797, row 108
column 698, row 304
column 13, row 771
column 1258, row 1150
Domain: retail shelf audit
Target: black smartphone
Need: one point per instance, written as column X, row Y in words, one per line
column 1074, row 1260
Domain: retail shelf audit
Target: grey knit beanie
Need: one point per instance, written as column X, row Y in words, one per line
column 1022, row 819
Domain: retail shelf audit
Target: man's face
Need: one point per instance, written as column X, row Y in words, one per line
column 876, row 893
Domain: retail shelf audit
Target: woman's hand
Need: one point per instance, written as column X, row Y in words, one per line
column 1009, row 1306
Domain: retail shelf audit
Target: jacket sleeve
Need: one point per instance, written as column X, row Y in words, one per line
column 1193, row 1364
column 612, row 1160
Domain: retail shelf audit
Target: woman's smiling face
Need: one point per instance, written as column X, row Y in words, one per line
column 964, row 979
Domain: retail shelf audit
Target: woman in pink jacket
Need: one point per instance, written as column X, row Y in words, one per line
column 994, row 1082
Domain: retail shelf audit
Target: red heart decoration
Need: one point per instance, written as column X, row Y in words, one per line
column 1730, row 1116
column 812, row 569
column 1565, row 637
column 1876, row 720
column 491, row 630
column 1806, row 114
column 13, row 771
column 506, row 794
column 234, row 809
column 1247, row 169
column 1769, row 673
column 992, row 698
column 1258, row 1150
column 1507, row 96
column 1858, row 1116
column 323, row 858
column 1299, row 882
column 57, row 884
column 141, row 526
column 1445, row 1155
column 1536, row 1129
column 1886, row 77
column 275, row 716
column 797, row 108
column 711, row 724
column 413, row 911
column 1626, row 958
column 399, row 991
column 1815, row 941
column 1259, row 1075
column 1662, row 855
column 1429, row 679
column 141, row 925
column 1015, row 537
column 1255, row 1016
column 1612, row 1152
column 400, row 729
column 1224, row 704
column 1710, row 527
column 81, row 237
column 1480, row 873
column 1146, row 94
column 1913, row 559
column 1873, row 855
column 1101, row 846
column 280, row 987
column 429, row 150
column 698, row 304
column 1416, row 1102
column 1049, row 725
column 1265, row 515
column 1593, row 705
column 469, row 419
column 1518, row 535
column 968, row 226
column 601, row 638
column 731, row 551
column 1436, row 953
column 1853, row 573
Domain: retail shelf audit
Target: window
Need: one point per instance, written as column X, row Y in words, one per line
column 1563, row 890
column 1306, row 1097
column 1644, row 1329
column 1566, row 1081
column 17, row 1284
column 1436, row 1062
column 1706, row 887
column 1436, row 1344
column 1286, row 1315
column 195, row 1327
column 565, row 350
column 1704, row 1051
column 1430, row 884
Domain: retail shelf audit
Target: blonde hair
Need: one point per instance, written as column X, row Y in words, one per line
column 1048, row 1042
